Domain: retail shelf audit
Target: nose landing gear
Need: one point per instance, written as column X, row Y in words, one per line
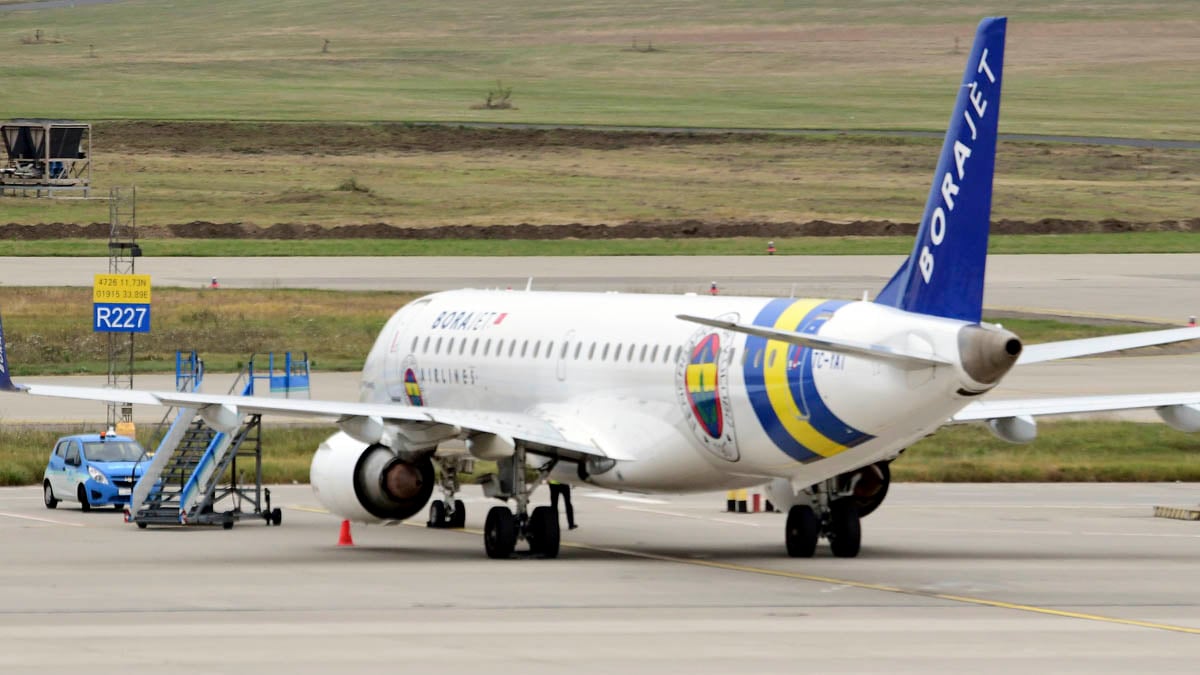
column 448, row 512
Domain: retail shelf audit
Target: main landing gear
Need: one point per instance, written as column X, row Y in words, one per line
column 832, row 513
column 504, row 528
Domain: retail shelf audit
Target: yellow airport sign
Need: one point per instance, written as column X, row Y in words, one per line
column 121, row 288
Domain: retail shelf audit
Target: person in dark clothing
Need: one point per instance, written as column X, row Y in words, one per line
column 556, row 489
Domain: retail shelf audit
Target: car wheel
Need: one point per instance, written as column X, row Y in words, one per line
column 84, row 504
column 48, row 495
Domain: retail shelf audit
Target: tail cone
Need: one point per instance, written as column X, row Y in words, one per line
column 344, row 538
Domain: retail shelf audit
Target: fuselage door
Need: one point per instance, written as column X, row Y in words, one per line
column 400, row 359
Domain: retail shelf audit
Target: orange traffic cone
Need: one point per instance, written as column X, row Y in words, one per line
column 344, row 538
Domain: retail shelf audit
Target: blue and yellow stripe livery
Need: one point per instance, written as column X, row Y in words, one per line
column 779, row 383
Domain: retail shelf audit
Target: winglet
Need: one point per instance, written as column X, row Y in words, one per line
column 6, row 383
column 944, row 274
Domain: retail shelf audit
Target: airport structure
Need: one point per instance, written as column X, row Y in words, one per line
column 202, row 445
column 44, row 157
column 123, row 252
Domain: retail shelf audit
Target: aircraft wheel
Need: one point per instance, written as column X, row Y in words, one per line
column 437, row 514
column 845, row 528
column 48, row 495
column 84, row 504
column 459, row 519
column 801, row 531
column 544, row 534
column 276, row 516
column 500, row 532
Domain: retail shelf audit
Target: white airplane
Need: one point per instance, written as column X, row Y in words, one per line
column 666, row 393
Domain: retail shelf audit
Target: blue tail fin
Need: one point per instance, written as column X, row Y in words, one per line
column 6, row 383
column 944, row 274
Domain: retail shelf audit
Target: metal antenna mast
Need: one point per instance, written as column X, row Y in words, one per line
column 122, row 251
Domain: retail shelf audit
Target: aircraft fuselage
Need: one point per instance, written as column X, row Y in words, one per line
column 701, row 408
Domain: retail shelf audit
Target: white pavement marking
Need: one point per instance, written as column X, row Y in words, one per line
column 41, row 520
column 622, row 498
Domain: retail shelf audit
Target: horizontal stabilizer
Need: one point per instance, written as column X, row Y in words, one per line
column 1069, row 349
column 839, row 345
column 1068, row 405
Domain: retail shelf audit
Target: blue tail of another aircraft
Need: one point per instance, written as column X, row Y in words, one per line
column 6, row 383
column 944, row 274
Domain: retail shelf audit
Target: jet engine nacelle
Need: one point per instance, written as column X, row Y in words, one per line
column 871, row 487
column 1019, row 429
column 1182, row 417
column 370, row 483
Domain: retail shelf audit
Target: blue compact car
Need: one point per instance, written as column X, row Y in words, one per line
column 94, row 470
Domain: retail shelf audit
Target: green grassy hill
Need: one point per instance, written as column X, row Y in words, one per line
column 1074, row 66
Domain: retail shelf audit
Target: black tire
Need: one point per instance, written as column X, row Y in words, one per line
column 227, row 524
column 801, row 531
column 437, row 514
column 500, row 533
column 544, row 534
column 48, row 495
column 84, row 504
column 459, row 519
column 141, row 526
column 276, row 517
column 845, row 528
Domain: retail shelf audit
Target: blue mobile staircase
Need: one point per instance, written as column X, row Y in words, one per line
column 183, row 484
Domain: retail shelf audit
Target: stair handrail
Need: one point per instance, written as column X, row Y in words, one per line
column 182, row 381
column 162, row 454
column 234, row 448
column 216, row 449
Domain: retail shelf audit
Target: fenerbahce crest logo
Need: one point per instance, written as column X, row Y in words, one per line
column 702, row 383
column 412, row 387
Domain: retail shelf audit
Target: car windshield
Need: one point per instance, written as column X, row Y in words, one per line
column 113, row 451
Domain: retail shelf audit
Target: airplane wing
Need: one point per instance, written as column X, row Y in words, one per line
column 840, row 345
column 437, row 424
column 1069, row 349
column 987, row 410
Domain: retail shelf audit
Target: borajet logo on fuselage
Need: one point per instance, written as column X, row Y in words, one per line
column 962, row 152
column 464, row 320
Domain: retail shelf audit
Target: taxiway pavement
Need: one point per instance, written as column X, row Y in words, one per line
column 952, row 578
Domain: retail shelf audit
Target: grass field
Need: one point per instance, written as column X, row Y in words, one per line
column 1074, row 66
column 347, row 155
column 253, row 174
column 48, row 329
column 1064, row 451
